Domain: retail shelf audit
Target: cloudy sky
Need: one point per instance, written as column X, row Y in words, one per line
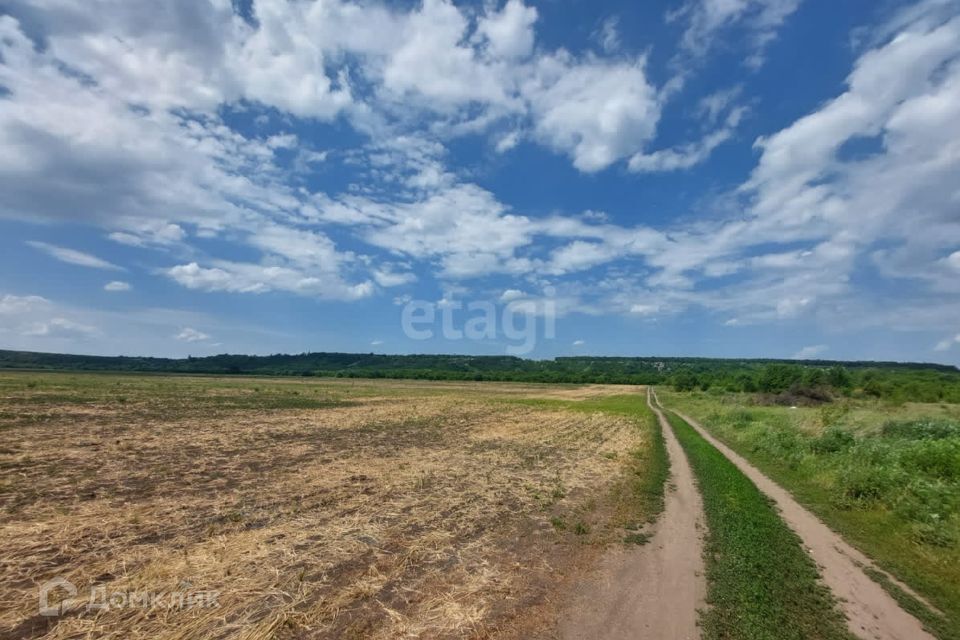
column 772, row 178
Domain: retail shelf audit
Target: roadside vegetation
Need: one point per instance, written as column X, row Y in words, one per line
column 886, row 476
column 760, row 582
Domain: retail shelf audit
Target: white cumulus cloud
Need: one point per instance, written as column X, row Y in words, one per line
column 594, row 110
column 810, row 352
column 72, row 256
column 947, row 343
column 189, row 334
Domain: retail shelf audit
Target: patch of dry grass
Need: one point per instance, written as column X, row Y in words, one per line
column 423, row 514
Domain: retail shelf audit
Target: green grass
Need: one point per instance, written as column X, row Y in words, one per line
column 637, row 538
column 886, row 478
column 760, row 582
column 651, row 468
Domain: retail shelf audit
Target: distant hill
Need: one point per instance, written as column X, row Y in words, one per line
column 322, row 363
column 904, row 380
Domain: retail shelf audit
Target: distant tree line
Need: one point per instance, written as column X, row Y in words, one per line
column 814, row 380
column 819, row 383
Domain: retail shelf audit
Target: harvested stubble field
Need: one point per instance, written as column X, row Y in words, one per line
column 315, row 508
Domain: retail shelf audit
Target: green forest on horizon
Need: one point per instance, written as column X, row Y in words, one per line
column 806, row 381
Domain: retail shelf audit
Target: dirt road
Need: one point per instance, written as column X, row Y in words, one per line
column 871, row 612
column 650, row 591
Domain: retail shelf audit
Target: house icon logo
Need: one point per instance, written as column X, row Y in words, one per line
column 48, row 589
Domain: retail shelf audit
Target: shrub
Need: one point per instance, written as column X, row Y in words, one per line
column 874, row 451
column 921, row 429
column 832, row 440
column 779, row 377
column 740, row 418
column 860, row 484
column 937, row 534
column 797, row 396
column 685, row 381
column 923, row 500
column 780, row 443
column 934, row 458
column 832, row 415
column 839, row 377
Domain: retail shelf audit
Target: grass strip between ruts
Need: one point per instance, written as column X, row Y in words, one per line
column 760, row 582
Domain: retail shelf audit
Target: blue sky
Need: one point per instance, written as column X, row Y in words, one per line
column 763, row 178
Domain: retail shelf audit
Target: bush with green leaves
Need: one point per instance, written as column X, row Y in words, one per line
column 833, row 440
column 921, row 429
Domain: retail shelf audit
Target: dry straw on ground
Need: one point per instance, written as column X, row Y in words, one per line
column 409, row 511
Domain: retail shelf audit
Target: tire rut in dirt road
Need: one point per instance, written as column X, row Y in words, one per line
column 650, row 591
column 871, row 612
